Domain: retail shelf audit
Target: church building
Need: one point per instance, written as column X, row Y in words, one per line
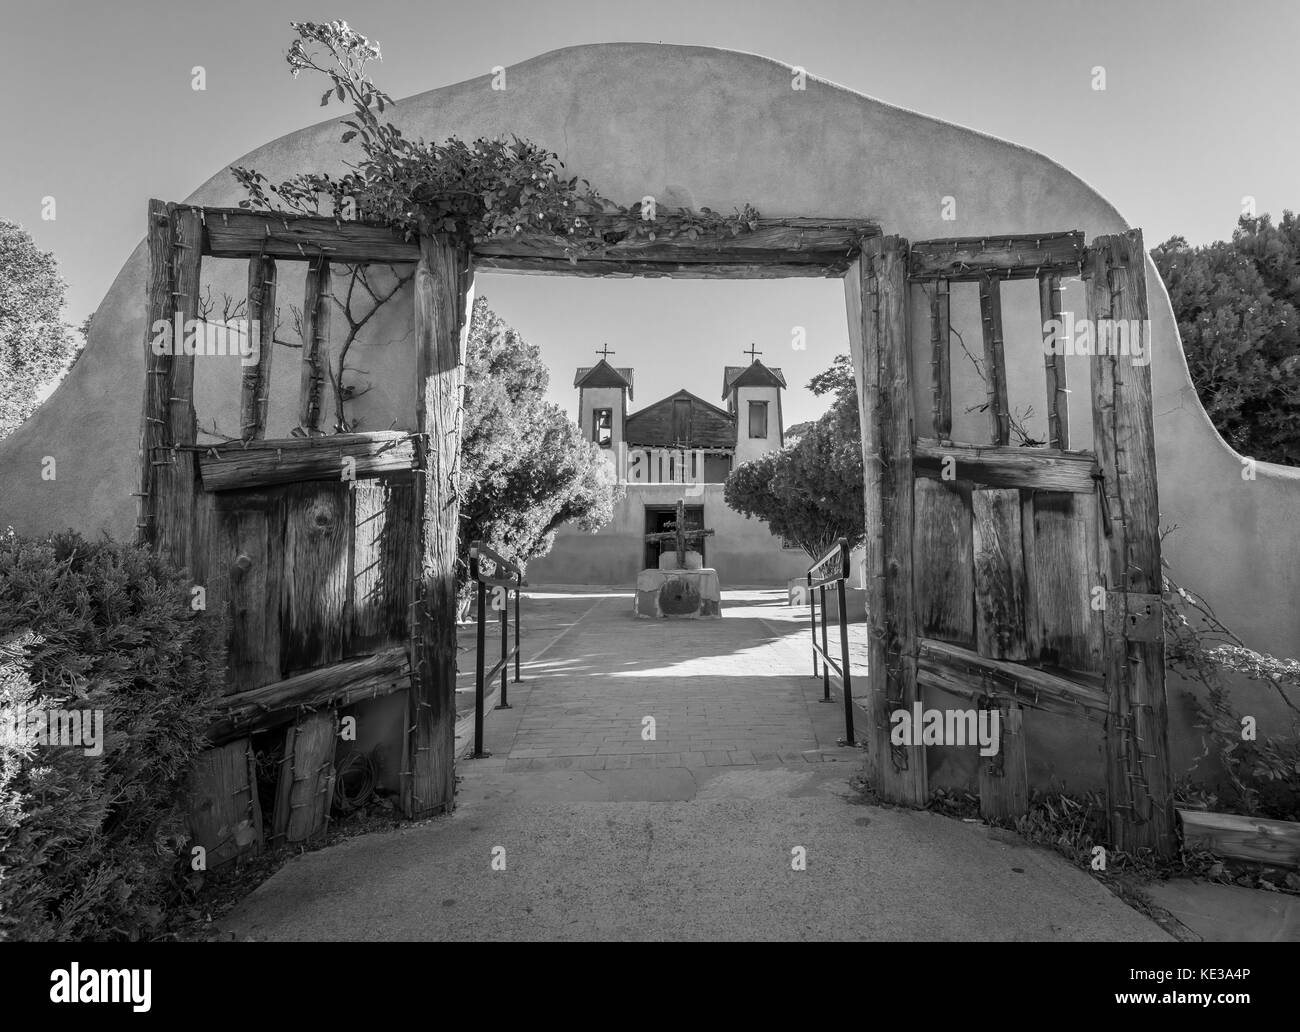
column 678, row 448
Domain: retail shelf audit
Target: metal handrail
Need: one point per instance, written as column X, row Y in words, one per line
column 820, row 575
column 478, row 553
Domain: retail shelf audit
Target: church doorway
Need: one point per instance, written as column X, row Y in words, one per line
column 657, row 520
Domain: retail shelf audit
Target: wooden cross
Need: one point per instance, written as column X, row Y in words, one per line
column 680, row 534
column 606, row 353
column 752, row 353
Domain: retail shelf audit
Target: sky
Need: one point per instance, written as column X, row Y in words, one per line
column 1202, row 112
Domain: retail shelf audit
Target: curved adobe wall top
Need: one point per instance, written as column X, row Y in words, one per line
column 699, row 126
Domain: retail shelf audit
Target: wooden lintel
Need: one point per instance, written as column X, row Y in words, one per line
column 263, row 463
column 952, row 668
column 1025, row 256
column 339, row 684
column 1042, row 469
column 775, row 248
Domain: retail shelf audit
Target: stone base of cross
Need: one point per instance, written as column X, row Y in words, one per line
column 681, row 535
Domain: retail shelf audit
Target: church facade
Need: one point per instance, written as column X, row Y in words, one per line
column 678, row 448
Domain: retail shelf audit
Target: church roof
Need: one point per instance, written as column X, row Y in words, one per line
column 753, row 375
column 602, row 374
column 665, row 424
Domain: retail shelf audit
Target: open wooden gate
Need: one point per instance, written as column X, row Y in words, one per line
column 1014, row 576
column 333, row 555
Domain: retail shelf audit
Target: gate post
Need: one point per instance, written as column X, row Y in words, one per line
column 444, row 286
column 877, row 295
column 1138, row 783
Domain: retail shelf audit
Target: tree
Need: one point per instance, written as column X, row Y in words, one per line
column 811, row 491
column 1236, row 304
column 525, row 466
column 35, row 344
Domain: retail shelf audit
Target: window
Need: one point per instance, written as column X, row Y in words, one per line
column 758, row 419
column 603, row 427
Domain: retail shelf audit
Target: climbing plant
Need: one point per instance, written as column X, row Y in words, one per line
column 470, row 191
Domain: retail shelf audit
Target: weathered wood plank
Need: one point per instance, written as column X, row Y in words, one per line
column 314, row 590
column 1262, row 841
column 1064, row 629
column 796, row 243
column 945, row 577
column 1139, row 782
column 305, row 787
column 1058, row 396
column 1045, row 469
column 245, row 562
column 995, row 363
column 444, row 284
column 315, row 346
column 999, row 574
column 255, row 394
column 384, row 545
column 295, row 459
column 963, row 672
column 940, row 360
column 833, row 266
column 338, row 685
column 1014, row 257
column 225, row 815
column 898, row 773
column 1004, row 777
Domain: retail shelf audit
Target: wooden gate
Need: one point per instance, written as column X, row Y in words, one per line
column 1015, row 577
column 333, row 556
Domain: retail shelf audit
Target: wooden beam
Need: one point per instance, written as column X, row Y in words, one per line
column 1257, row 839
column 236, row 233
column 964, row 672
column 155, row 429
column 1058, row 397
column 1025, row 256
column 444, row 284
column 940, row 360
column 255, row 394
column 777, row 247
column 1043, row 469
column 289, row 460
column 898, row 773
column 315, row 346
column 1004, row 777
column 995, row 363
column 340, row 684
column 1138, row 778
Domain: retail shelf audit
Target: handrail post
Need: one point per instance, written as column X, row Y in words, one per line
column 826, row 667
column 505, row 648
column 812, row 614
column 519, row 583
column 479, row 752
column 849, row 738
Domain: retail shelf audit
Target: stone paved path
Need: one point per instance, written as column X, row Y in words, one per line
column 578, row 828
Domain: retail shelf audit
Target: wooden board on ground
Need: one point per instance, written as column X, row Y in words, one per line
column 1242, row 838
column 225, row 815
column 305, row 787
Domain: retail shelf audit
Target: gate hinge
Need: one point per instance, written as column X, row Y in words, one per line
column 1134, row 616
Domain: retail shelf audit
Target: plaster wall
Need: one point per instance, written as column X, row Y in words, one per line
column 737, row 133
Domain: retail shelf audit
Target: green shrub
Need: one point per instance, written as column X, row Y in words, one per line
column 92, row 847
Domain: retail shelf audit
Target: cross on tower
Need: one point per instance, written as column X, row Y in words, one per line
column 680, row 535
column 606, row 352
column 752, row 353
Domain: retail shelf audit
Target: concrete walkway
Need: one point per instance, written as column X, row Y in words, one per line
column 580, row 827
